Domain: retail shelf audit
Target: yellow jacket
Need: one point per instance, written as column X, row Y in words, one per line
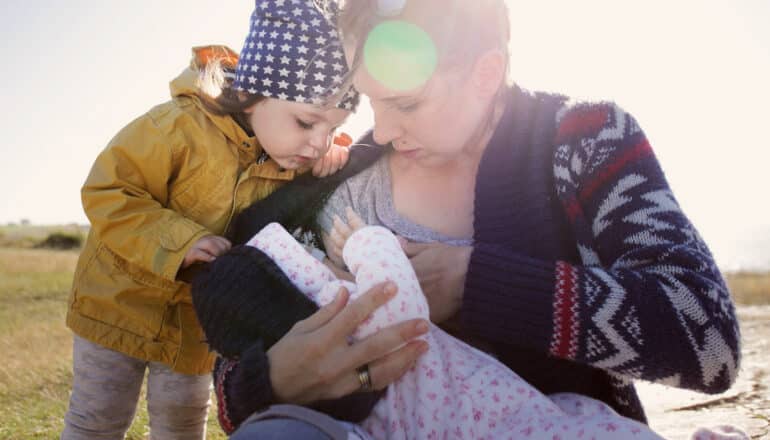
column 172, row 176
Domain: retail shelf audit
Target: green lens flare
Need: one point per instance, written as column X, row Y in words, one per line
column 400, row 55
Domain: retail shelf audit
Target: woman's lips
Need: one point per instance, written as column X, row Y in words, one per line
column 409, row 153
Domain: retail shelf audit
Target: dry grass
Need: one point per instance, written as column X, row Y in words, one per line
column 36, row 372
column 749, row 288
column 27, row 236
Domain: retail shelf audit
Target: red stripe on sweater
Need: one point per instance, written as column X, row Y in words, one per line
column 222, row 415
column 582, row 123
column 573, row 209
column 564, row 320
column 610, row 170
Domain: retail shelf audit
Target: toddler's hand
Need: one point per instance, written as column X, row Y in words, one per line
column 335, row 158
column 206, row 250
column 335, row 240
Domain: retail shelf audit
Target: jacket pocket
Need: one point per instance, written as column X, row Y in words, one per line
column 120, row 295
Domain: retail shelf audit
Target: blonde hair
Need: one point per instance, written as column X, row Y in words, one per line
column 215, row 65
column 463, row 30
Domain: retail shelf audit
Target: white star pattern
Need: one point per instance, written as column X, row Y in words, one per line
column 292, row 52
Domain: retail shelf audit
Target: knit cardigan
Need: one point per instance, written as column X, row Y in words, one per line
column 585, row 273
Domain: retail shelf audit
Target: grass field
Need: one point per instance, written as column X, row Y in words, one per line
column 36, row 372
column 35, row 375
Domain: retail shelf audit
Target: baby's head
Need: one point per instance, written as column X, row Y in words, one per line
column 287, row 84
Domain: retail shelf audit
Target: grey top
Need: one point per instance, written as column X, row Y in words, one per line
column 370, row 195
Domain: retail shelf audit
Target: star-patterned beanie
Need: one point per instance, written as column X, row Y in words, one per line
column 293, row 53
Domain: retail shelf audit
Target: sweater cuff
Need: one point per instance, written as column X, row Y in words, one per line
column 243, row 387
column 509, row 298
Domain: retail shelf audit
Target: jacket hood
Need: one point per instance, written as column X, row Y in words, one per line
column 186, row 85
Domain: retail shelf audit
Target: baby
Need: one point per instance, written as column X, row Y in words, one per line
column 454, row 390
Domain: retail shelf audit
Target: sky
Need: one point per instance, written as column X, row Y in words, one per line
column 694, row 73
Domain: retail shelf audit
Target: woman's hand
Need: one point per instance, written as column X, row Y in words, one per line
column 441, row 269
column 314, row 361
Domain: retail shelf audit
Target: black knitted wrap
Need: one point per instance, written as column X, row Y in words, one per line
column 243, row 297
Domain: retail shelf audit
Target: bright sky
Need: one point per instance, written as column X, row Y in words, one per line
column 693, row 72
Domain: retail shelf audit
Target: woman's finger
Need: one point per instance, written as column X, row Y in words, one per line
column 357, row 311
column 324, row 314
column 392, row 366
column 383, row 371
column 386, row 340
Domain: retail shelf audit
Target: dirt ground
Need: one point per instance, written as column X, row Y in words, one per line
column 675, row 413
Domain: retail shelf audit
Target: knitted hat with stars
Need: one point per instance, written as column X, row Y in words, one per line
column 293, row 53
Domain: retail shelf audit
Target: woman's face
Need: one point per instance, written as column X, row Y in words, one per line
column 294, row 134
column 432, row 124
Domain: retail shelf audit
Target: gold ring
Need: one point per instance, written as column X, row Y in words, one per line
column 364, row 378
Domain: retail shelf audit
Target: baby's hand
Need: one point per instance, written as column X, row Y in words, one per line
column 206, row 250
column 335, row 158
column 335, row 240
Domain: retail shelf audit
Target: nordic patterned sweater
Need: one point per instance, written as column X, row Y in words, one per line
column 585, row 273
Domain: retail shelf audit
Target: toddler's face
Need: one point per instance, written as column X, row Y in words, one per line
column 295, row 135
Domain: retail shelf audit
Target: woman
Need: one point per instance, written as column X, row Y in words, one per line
column 556, row 242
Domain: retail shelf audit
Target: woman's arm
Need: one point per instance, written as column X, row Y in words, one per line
column 648, row 301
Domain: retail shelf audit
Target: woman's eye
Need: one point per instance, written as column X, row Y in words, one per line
column 406, row 108
column 304, row 125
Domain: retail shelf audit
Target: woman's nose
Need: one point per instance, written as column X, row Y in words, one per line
column 386, row 128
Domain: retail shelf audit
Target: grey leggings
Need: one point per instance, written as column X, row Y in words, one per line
column 105, row 392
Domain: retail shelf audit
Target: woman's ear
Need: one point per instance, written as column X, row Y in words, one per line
column 489, row 72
